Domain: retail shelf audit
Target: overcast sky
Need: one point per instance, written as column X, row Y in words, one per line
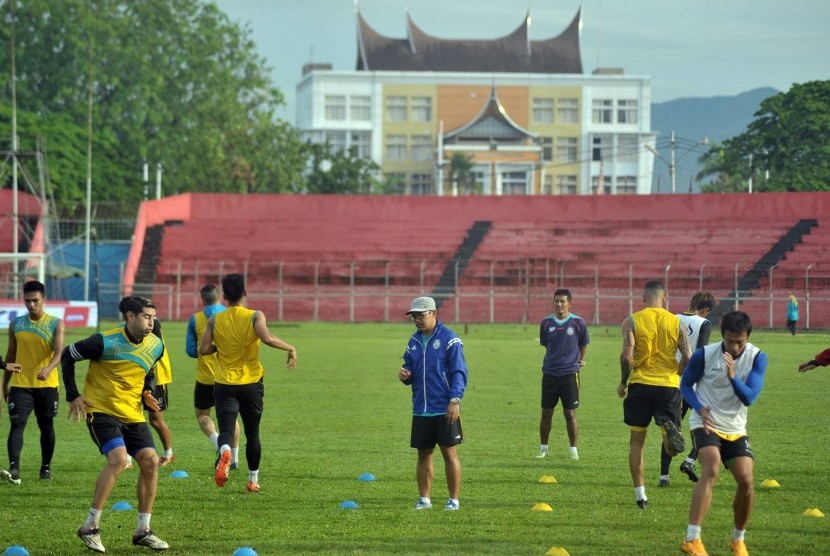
column 696, row 48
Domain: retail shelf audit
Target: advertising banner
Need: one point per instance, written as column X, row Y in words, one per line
column 74, row 313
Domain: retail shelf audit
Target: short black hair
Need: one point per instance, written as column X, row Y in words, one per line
column 565, row 292
column 703, row 300
column 654, row 287
column 134, row 304
column 210, row 294
column 233, row 287
column 737, row 322
column 34, row 286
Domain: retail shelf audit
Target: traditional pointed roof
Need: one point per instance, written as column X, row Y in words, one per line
column 491, row 124
column 513, row 53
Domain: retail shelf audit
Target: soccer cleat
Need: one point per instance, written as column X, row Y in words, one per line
column 149, row 539
column 164, row 460
column 672, row 440
column 453, row 506
column 695, row 548
column 542, row 454
column 45, row 475
column 574, row 455
column 642, row 504
column 423, row 504
column 739, row 548
column 664, row 482
column 223, row 463
column 11, row 476
column 234, row 465
column 688, row 468
column 92, row 539
column 252, row 487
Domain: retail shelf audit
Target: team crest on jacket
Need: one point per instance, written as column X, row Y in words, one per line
column 571, row 331
column 436, row 344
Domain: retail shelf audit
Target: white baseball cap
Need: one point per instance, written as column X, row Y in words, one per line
column 422, row 305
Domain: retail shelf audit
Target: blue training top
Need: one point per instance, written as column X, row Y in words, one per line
column 563, row 340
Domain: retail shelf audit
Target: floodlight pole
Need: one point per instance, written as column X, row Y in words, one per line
column 15, row 215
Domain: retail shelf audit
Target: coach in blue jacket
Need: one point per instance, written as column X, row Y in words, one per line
column 434, row 366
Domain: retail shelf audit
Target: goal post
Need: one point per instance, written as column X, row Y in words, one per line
column 15, row 268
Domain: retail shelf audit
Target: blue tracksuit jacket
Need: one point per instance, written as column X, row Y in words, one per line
column 439, row 371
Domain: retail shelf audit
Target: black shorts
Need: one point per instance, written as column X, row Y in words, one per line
column 729, row 449
column 44, row 402
column 245, row 399
column 203, row 397
column 565, row 388
column 160, row 394
column 109, row 433
column 429, row 431
column 644, row 402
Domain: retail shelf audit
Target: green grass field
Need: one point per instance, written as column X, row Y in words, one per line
column 342, row 412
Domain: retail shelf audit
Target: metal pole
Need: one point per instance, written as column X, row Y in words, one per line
column 351, row 291
column 457, row 293
column 666, row 283
column 673, row 168
column 700, row 286
column 807, row 294
column 771, row 321
column 386, row 283
column 279, row 290
column 630, row 288
column 596, row 293
column 737, row 295
column 492, row 291
column 316, row 291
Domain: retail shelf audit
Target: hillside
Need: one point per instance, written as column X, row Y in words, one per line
column 692, row 119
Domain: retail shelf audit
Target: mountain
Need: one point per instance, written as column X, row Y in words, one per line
column 693, row 119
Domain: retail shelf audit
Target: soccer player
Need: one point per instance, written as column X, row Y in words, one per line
column 821, row 360
column 435, row 368
column 203, row 398
column 164, row 376
column 698, row 328
column 650, row 376
column 720, row 382
column 119, row 378
column 234, row 336
column 35, row 345
column 565, row 338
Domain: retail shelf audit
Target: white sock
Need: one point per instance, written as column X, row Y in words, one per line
column 690, row 460
column 253, row 476
column 214, row 439
column 168, row 453
column 454, row 501
column 224, row 448
column 235, row 454
column 737, row 534
column 692, row 532
column 425, row 500
column 664, row 477
column 574, row 450
column 143, row 523
column 93, row 519
column 640, row 493
column 543, row 448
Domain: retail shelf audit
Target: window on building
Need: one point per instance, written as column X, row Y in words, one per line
column 627, row 111
column 603, row 111
column 335, row 107
column 422, row 184
column 514, row 183
column 566, row 185
column 606, row 184
column 567, row 149
column 360, row 144
column 547, row 148
column 567, row 110
column 396, row 147
column 337, row 140
column 360, row 108
column 626, row 185
column 421, row 109
column 547, row 187
column 421, row 147
column 601, row 150
column 628, row 148
column 543, row 110
column 395, row 183
column 396, row 109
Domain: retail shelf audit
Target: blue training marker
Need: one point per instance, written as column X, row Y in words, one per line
column 349, row 505
column 122, row 506
column 179, row 474
column 366, row 477
column 16, row 550
column 244, row 551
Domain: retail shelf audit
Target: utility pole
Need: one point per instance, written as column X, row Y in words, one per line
column 673, row 166
column 750, row 172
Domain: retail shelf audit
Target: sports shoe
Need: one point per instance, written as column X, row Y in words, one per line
column 451, row 505
column 672, row 440
column 11, row 476
column 664, row 482
column 164, row 461
column 45, row 475
column 129, row 464
column 695, row 548
column 149, row 539
column 688, row 468
column 574, row 455
column 423, row 504
column 252, row 487
column 642, row 504
column 542, row 454
column 739, row 548
column 223, row 463
column 234, row 465
column 92, row 539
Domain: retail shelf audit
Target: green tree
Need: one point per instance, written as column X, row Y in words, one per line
column 173, row 82
column 461, row 176
column 786, row 147
column 339, row 172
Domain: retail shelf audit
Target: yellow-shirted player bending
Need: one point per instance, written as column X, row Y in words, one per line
column 120, row 377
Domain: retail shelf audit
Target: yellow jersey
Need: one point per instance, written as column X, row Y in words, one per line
column 237, row 347
column 35, row 350
column 656, row 333
column 205, row 364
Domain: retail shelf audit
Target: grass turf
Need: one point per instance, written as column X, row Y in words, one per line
column 342, row 412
